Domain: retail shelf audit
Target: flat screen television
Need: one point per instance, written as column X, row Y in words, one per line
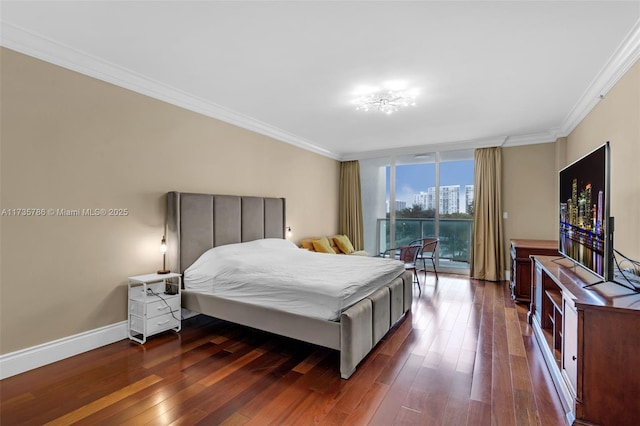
column 586, row 228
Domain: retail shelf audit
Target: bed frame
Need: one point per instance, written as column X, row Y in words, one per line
column 198, row 222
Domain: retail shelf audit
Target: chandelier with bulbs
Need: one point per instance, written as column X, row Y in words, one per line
column 388, row 101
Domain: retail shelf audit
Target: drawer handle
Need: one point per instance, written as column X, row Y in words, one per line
column 162, row 308
column 163, row 322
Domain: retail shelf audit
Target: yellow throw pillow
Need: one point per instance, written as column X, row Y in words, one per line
column 344, row 244
column 307, row 244
column 322, row 246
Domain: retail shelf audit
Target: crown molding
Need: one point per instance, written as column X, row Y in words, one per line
column 419, row 149
column 502, row 141
column 37, row 46
column 625, row 56
column 534, row 138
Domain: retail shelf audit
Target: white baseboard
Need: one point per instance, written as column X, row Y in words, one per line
column 27, row 359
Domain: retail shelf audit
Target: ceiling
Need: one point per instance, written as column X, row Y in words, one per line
column 487, row 72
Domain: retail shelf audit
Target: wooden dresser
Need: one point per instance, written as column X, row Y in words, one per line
column 521, row 264
column 589, row 336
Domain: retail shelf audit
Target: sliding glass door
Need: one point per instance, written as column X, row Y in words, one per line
column 415, row 212
column 456, row 209
column 415, row 196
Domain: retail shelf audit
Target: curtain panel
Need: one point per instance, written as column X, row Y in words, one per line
column 487, row 249
column 350, row 221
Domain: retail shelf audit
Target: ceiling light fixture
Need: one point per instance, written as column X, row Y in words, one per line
column 388, row 101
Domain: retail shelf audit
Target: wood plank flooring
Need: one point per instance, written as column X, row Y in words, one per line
column 464, row 356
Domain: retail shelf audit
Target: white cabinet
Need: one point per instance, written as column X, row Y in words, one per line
column 154, row 305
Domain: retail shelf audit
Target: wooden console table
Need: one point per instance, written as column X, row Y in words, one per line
column 590, row 340
column 521, row 264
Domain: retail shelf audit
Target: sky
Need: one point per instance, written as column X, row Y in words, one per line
column 413, row 178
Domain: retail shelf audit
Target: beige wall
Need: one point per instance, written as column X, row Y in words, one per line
column 530, row 172
column 529, row 193
column 72, row 142
column 69, row 141
column 617, row 119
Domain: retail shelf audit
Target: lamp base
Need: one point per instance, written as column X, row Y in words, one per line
column 163, row 271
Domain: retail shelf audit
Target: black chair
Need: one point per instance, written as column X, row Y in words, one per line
column 427, row 252
column 409, row 256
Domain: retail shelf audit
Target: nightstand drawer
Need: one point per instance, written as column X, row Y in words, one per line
column 157, row 307
column 155, row 324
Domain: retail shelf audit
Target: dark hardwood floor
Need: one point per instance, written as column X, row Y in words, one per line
column 464, row 356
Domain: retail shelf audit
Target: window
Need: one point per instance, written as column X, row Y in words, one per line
column 410, row 197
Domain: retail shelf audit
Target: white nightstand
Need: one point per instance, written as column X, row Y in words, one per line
column 154, row 305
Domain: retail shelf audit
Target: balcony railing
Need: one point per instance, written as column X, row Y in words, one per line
column 455, row 237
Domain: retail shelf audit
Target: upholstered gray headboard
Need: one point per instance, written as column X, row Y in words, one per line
column 198, row 222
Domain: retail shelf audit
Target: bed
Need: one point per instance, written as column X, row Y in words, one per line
column 197, row 223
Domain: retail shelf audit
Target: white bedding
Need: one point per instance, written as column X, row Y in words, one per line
column 277, row 274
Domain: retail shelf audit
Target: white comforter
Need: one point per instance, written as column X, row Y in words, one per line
column 277, row 274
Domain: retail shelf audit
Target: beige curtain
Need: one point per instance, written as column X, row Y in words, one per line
column 350, row 205
column 487, row 250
